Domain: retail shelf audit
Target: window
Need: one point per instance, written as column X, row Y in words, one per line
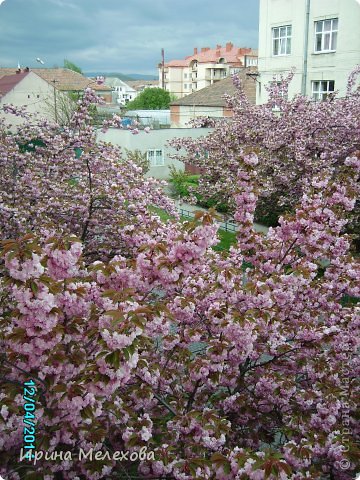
column 185, row 86
column 326, row 35
column 185, row 75
column 322, row 88
column 155, row 157
column 281, row 40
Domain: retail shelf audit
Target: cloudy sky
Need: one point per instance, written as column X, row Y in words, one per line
column 119, row 35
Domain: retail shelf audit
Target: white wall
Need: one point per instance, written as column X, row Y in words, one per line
column 156, row 139
column 32, row 91
column 189, row 112
column 321, row 66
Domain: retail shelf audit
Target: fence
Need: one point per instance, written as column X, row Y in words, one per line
column 228, row 226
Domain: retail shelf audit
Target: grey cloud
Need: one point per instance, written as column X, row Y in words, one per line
column 117, row 35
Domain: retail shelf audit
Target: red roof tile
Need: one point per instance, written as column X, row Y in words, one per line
column 7, row 83
column 232, row 55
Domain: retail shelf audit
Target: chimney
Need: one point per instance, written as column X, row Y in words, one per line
column 27, row 69
column 229, row 46
column 218, row 46
column 195, row 51
column 218, row 53
column 203, row 49
column 18, row 70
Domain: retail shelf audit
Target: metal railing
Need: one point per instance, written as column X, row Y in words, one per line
column 228, row 225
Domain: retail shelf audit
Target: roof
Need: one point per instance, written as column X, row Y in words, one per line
column 65, row 79
column 140, row 84
column 213, row 96
column 7, row 83
column 117, row 82
column 232, row 55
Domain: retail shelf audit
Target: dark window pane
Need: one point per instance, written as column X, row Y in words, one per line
column 333, row 41
column 288, row 46
column 318, row 26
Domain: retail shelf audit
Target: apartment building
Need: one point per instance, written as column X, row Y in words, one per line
column 319, row 38
column 204, row 68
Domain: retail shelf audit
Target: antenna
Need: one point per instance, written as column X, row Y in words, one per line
column 162, row 68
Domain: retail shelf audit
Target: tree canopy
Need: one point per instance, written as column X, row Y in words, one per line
column 130, row 347
column 72, row 66
column 151, row 99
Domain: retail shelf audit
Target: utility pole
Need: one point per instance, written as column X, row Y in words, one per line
column 162, row 69
column 55, row 104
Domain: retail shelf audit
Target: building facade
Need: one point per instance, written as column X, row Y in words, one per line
column 318, row 38
column 204, row 68
column 155, row 145
column 25, row 89
column 122, row 92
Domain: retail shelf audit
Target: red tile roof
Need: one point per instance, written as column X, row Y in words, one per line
column 232, row 55
column 7, row 83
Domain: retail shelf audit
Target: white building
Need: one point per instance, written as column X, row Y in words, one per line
column 204, row 68
column 320, row 38
column 123, row 93
column 155, row 145
column 25, row 89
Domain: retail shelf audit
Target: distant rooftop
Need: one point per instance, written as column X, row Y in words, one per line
column 141, row 84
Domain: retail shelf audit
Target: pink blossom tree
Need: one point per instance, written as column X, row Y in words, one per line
column 63, row 178
column 294, row 139
column 227, row 366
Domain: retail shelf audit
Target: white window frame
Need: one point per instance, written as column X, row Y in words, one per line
column 283, row 38
column 156, row 157
column 325, row 32
column 320, row 89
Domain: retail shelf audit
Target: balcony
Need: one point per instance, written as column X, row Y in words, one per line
column 216, row 74
column 215, row 78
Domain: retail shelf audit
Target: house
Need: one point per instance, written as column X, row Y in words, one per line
column 44, row 91
column 122, row 92
column 65, row 80
column 204, row 68
column 210, row 102
column 320, row 38
column 155, row 145
column 25, row 89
